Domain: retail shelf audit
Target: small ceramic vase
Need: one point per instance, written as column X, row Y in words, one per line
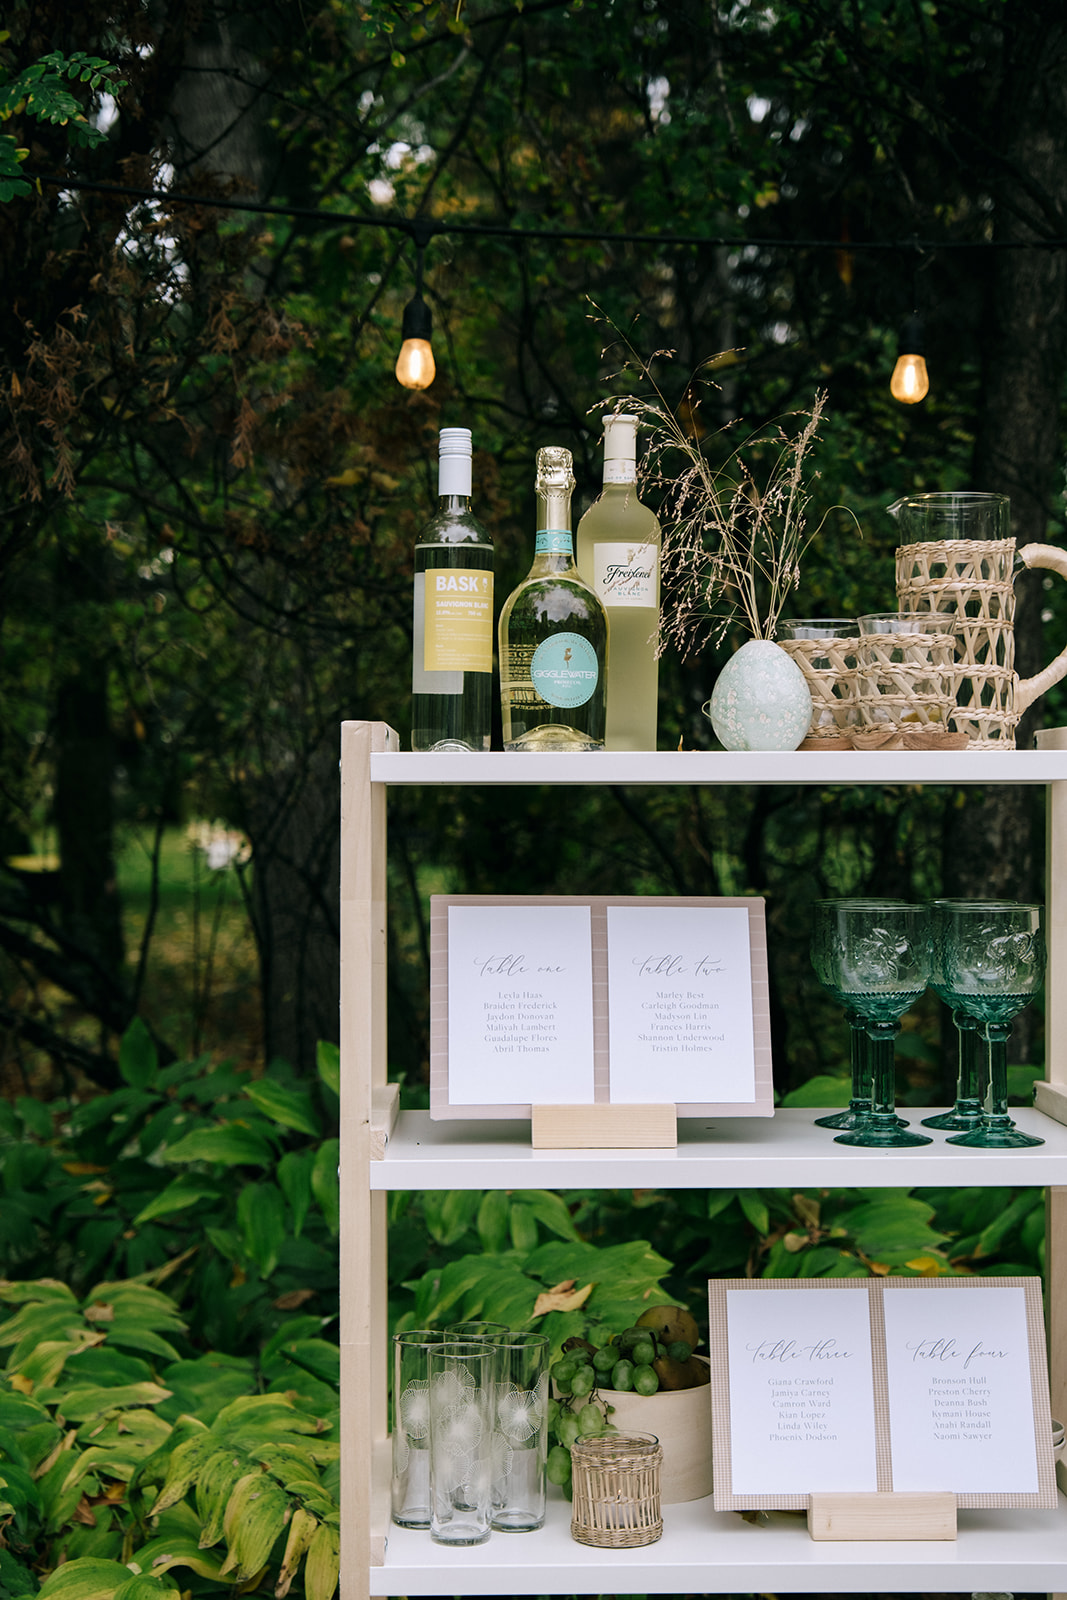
column 761, row 700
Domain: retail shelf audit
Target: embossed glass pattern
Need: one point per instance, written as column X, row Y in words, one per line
column 520, row 1438
column 874, row 957
column 462, row 1395
column 411, row 1426
column 993, row 962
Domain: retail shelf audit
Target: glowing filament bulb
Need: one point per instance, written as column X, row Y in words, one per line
column 910, row 381
column 415, row 366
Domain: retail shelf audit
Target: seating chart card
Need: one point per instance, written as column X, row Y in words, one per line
column 567, row 1000
column 879, row 1384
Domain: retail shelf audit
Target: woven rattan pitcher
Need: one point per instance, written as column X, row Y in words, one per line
column 958, row 557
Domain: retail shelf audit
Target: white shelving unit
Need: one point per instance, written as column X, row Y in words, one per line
column 701, row 1550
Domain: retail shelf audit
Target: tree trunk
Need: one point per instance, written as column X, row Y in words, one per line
column 994, row 846
column 293, row 822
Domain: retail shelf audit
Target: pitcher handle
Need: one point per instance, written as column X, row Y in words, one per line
column 1050, row 556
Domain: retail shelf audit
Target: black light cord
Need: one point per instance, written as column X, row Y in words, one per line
column 422, row 228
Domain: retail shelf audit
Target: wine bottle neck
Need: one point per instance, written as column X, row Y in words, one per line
column 458, row 504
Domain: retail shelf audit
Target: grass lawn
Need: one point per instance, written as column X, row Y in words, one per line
column 201, row 984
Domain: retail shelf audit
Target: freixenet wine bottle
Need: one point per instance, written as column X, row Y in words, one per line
column 618, row 556
column 452, row 654
column 553, row 634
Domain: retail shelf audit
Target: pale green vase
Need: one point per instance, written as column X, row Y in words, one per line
column 761, row 700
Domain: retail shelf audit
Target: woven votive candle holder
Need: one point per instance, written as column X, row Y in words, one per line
column 615, row 1487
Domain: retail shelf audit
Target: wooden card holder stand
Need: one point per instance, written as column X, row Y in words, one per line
column 604, row 1127
column 882, row 1516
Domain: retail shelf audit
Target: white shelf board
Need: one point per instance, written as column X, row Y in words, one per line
column 722, row 766
column 708, row 1552
column 740, row 1152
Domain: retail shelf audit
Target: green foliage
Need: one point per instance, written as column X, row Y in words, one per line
column 42, row 91
column 220, row 1184
column 147, row 1474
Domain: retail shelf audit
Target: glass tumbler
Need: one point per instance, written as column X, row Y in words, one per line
column 462, row 1395
column 520, row 1440
column 411, row 1426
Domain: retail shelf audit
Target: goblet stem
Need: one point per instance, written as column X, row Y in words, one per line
column 859, row 1106
column 996, row 1131
column 966, row 1114
column 883, row 1128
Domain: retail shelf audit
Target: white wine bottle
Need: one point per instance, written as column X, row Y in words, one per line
column 452, row 635
column 618, row 556
column 553, row 634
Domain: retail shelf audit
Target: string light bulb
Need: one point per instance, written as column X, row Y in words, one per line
column 910, row 382
column 415, row 365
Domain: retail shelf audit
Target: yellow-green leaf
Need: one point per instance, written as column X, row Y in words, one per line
column 323, row 1565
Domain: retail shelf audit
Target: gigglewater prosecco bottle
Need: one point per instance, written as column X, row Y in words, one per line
column 553, row 634
column 618, row 556
column 452, row 654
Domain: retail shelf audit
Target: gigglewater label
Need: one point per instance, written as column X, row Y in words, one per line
column 565, row 669
column 625, row 574
column 459, row 620
column 554, row 542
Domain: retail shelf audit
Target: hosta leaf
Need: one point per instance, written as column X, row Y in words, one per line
column 186, row 1461
column 214, row 1486
column 328, row 1065
column 262, row 1419
column 84, row 1579
column 48, row 1320
column 493, row 1221
column 136, row 1336
column 294, row 1176
column 41, row 1290
column 138, row 1060
column 322, row 1565
column 1003, row 1226
column 522, row 1225
column 822, row 1090
column 301, row 1531
column 80, row 1404
column 144, row 1586
column 177, row 1196
column 41, row 1365
column 261, row 1219
column 755, row 1210
column 161, row 1554
column 291, row 1107
column 549, row 1209
column 324, row 1182
column 204, row 1386
column 256, row 1515
column 229, row 1146
column 893, row 1230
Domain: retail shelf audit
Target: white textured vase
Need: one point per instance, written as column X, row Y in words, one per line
column 761, row 700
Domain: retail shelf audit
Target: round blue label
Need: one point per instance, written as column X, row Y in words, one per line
column 565, row 670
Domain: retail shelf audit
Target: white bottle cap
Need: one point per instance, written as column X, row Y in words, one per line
column 454, row 462
column 620, row 448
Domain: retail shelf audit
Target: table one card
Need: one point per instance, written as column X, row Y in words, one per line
column 680, row 1004
column 520, row 1005
column 801, row 1391
column 960, row 1400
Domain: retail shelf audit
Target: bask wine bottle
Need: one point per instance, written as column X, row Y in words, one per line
column 452, row 655
column 553, row 634
column 618, row 556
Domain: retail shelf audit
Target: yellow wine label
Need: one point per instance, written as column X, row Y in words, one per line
column 459, row 620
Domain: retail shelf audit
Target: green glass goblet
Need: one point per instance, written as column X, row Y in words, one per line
column 994, row 963
column 966, row 1113
column 824, row 933
column 878, row 957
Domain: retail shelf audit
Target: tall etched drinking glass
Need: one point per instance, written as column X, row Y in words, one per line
column 994, row 959
column 462, row 1395
column 411, row 1426
column 825, row 938
column 520, row 1441
column 878, row 957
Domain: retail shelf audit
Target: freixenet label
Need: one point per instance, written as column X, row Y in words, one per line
column 459, row 620
column 565, row 669
column 625, row 574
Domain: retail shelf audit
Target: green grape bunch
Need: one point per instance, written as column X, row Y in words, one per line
column 655, row 1353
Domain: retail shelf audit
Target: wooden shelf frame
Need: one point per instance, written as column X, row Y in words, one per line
column 701, row 1550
